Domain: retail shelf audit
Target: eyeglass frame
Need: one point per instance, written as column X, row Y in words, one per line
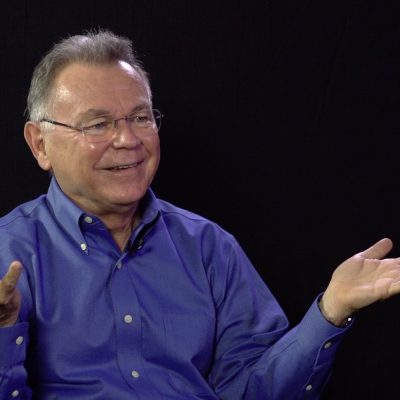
column 157, row 118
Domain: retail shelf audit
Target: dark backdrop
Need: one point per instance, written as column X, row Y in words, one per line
column 281, row 124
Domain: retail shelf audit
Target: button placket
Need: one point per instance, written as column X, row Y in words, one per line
column 128, row 333
column 128, row 319
column 135, row 374
column 19, row 340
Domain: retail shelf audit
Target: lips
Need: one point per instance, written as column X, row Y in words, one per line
column 124, row 166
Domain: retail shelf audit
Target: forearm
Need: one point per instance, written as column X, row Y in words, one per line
column 300, row 363
column 291, row 365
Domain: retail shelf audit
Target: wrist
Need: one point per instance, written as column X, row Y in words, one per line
column 334, row 314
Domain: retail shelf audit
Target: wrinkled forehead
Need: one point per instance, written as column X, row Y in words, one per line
column 114, row 87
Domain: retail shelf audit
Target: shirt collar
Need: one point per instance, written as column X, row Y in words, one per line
column 149, row 208
column 65, row 211
column 69, row 214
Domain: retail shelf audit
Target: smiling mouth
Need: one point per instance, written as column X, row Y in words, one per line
column 122, row 167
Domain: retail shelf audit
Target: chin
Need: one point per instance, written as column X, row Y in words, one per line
column 123, row 195
column 126, row 200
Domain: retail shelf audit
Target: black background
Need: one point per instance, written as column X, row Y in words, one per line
column 281, row 125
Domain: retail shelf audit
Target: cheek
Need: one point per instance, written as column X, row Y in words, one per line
column 56, row 153
column 152, row 145
column 69, row 156
column 154, row 150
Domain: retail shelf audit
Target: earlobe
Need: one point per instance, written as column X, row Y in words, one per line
column 34, row 137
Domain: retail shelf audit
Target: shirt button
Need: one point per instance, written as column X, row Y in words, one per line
column 83, row 246
column 19, row 340
column 88, row 219
column 135, row 374
column 15, row 393
column 308, row 388
column 327, row 345
column 128, row 318
column 119, row 265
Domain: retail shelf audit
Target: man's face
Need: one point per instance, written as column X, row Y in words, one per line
column 103, row 177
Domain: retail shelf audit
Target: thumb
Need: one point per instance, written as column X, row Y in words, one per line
column 377, row 250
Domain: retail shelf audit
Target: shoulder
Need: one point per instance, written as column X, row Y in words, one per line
column 18, row 232
column 24, row 213
column 169, row 210
column 189, row 225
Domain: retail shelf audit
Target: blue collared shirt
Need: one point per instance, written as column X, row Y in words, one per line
column 180, row 314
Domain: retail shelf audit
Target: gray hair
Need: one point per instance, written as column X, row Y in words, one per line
column 98, row 48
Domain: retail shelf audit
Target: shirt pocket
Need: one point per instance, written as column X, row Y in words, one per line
column 189, row 346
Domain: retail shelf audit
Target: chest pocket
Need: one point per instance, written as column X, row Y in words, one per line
column 188, row 352
column 189, row 343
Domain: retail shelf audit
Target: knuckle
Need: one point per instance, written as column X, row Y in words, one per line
column 7, row 285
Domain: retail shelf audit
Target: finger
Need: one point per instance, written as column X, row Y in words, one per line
column 10, row 279
column 378, row 250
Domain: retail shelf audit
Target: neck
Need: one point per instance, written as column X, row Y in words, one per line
column 120, row 224
column 120, row 220
column 122, row 232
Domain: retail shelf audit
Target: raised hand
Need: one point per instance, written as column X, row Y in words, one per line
column 360, row 281
column 10, row 297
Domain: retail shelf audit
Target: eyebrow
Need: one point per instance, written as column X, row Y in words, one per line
column 98, row 112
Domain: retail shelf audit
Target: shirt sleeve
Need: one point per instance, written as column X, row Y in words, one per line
column 302, row 358
column 13, row 376
column 257, row 356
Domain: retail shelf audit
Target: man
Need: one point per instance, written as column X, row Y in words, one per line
column 111, row 293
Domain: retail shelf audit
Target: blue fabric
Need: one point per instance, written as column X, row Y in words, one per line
column 180, row 314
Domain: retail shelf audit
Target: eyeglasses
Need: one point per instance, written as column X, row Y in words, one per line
column 102, row 128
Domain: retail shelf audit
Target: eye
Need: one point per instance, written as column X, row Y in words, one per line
column 96, row 127
column 141, row 119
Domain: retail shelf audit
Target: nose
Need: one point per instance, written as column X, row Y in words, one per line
column 124, row 134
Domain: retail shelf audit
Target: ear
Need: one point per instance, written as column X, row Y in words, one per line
column 35, row 138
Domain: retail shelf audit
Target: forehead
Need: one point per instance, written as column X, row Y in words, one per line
column 114, row 87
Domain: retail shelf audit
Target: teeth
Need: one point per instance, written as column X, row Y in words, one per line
column 124, row 166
